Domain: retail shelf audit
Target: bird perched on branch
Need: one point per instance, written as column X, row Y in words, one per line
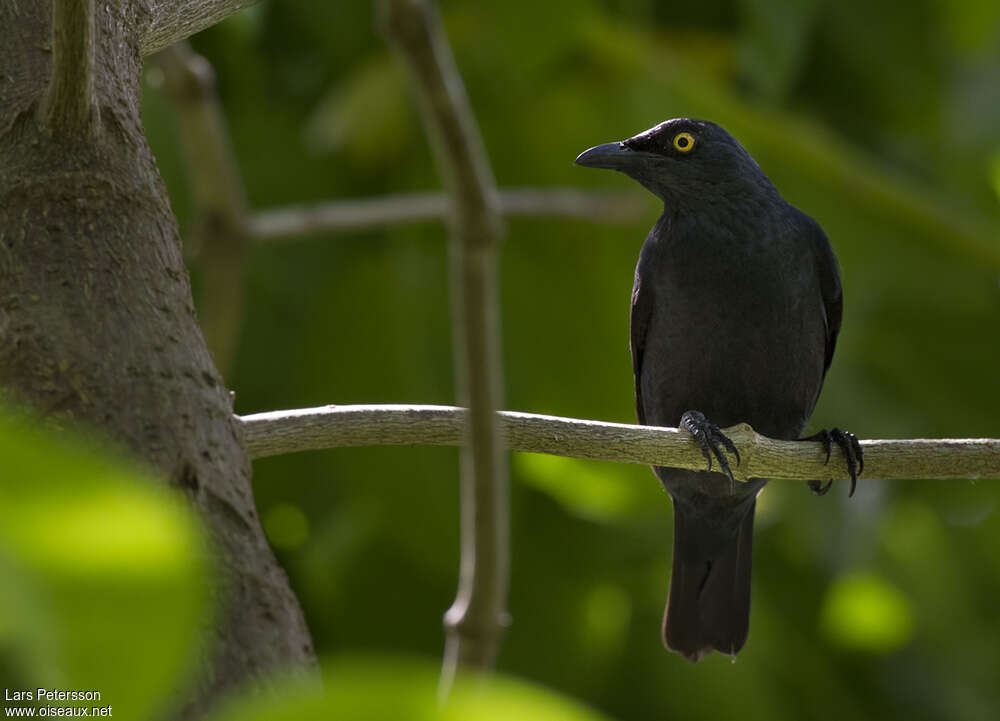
column 735, row 313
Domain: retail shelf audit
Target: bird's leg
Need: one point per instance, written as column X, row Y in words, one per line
column 709, row 437
column 853, row 454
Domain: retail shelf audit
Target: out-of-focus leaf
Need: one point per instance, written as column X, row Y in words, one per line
column 368, row 117
column 774, row 39
column 589, row 489
column 995, row 174
column 970, row 25
column 923, row 551
column 864, row 612
column 602, row 39
column 286, row 526
column 103, row 574
column 394, row 690
column 607, row 611
column 713, row 53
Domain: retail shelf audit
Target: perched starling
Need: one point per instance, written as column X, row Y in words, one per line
column 735, row 313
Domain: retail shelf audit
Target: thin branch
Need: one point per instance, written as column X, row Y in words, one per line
column 279, row 432
column 476, row 620
column 221, row 235
column 171, row 21
column 375, row 213
column 70, row 108
column 348, row 215
column 595, row 206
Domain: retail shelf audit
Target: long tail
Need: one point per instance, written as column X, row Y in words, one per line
column 709, row 603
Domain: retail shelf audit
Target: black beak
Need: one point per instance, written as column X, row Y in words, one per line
column 613, row 156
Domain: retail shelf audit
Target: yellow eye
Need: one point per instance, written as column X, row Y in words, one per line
column 684, row 142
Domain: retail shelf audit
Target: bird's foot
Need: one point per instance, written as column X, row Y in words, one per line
column 853, row 454
column 710, row 438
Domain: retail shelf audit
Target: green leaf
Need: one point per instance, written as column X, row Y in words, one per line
column 864, row 612
column 589, row 489
column 368, row 116
column 286, row 526
column 392, row 690
column 103, row 574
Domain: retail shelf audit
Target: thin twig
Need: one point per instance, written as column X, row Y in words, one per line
column 220, row 237
column 374, row 213
column 70, row 108
column 476, row 620
column 592, row 205
column 279, row 432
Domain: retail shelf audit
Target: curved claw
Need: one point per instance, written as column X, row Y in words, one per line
column 854, row 455
column 710, row 437
column 818, row 488
column 827, row 440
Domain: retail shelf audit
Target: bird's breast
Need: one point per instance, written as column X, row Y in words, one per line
column 736, row 331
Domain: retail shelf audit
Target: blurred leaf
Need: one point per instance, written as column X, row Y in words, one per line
column 590, row 489
column 971, row 25
column 103, row 574
column 863, row 612
column 368, row 116
column 395, row 690
column 603, row 37
column 607, row 611
column 774, row 39
column 713, row 53
column 995, row 174
column 286, row 526
column 924, row 552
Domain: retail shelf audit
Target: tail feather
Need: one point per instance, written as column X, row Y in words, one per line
column 709, row 602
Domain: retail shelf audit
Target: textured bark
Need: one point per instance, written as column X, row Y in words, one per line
column 97, row 323
column 165, row 22
column 304, row 429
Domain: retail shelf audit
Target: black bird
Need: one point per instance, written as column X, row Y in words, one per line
column 735, row 313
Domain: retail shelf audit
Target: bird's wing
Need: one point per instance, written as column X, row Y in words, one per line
column 829, row 279
column 642, row 306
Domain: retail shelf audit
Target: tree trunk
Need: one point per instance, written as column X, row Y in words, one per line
column 97, row 322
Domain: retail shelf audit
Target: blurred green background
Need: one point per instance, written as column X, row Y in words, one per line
column 882, row 121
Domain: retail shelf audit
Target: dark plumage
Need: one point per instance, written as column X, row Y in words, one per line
column 735, row 313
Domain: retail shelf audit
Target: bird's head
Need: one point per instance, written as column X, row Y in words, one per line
column 683, row 161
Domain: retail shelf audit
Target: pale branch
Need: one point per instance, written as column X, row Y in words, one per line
column 220, row 236
column 280, row 432
column 360, row 214
column 348, row 215
column 170, row 21
column 69, row 108
column 476, row 620
column 592, row 205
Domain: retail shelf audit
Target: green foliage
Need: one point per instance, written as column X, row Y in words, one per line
column 286, row 526
column 391, row 689
column 864, row 612
column 103, row 575
column 882, row 122
column 596, row 491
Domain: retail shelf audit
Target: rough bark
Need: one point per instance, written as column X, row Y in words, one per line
column 220, row 233
column 166, row 22
column 97, row 323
